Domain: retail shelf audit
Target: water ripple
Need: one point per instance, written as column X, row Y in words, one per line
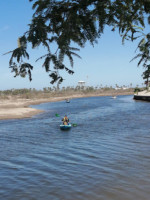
column 105, row 157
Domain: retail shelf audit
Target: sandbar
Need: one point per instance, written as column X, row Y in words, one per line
column 18, row 108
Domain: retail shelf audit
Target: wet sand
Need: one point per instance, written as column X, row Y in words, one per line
column 19, row 108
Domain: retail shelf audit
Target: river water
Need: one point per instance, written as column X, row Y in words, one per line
column 106, row 157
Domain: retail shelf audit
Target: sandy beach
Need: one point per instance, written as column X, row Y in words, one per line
column 143, row 93
column 17, row 108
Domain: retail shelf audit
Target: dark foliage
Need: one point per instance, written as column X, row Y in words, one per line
column 67, row 22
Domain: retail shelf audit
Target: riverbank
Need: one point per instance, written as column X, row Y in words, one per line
column 143, row 96
column 18, row 107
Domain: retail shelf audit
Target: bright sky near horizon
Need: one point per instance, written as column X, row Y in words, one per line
column 107, row 63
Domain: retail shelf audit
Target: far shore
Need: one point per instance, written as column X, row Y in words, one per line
column 18, row 108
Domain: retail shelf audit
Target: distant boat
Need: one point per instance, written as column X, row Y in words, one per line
column 113, row 97
column 67, row 101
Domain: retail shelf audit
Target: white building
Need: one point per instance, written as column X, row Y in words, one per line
column 124, row 88
column 81, row 83
column 118, row 88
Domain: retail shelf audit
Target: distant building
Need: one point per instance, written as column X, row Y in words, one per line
column 117, row 88
column 124, row 88
column 81, row 83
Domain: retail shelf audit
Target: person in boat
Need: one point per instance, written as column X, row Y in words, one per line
column 65, row 120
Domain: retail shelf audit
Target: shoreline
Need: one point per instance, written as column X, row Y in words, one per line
column 19, row 108
column 142, row 96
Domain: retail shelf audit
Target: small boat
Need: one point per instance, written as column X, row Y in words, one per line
column 113, row 97
column 65, row 127
column 67, row 101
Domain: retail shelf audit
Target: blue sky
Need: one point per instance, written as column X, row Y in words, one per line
column 108, row 63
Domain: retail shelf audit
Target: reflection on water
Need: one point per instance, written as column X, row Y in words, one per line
column 105, row 157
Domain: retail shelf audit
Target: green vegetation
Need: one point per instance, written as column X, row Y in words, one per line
column 146, row 76
column 136, row 90
column 68, row 24
column 63, row 92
